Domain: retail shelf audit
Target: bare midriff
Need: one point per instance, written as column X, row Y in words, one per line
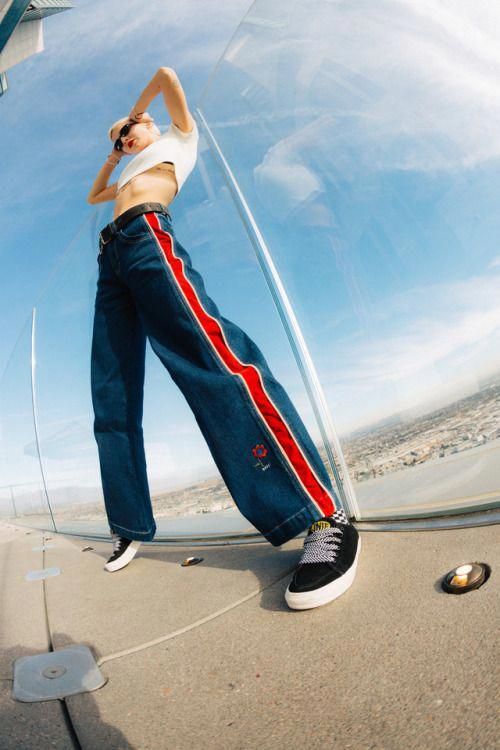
column 157, row 184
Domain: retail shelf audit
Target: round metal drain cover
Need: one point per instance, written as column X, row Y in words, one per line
column 53, row 672
column 465, row 578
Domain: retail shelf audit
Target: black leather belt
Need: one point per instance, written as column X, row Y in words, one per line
column 109, row 231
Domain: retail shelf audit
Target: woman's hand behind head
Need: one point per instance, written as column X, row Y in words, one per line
column 142, row 117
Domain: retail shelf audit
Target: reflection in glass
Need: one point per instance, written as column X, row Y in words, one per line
column 64, row 409
column 357, row 139
column 22, row 493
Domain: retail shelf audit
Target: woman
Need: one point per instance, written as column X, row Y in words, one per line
column 148, row 288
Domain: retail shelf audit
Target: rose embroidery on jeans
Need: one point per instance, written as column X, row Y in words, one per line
column 260, row 452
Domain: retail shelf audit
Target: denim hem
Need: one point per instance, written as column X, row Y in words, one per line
column 142, row 536
column 292, row 526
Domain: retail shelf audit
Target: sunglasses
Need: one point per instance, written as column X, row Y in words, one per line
column 123, row 132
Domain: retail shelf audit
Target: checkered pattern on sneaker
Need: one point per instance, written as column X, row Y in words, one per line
column 339, row 516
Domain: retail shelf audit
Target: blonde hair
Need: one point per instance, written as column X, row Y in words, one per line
column 123, row 120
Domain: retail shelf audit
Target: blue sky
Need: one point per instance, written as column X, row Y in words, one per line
column 373, row 175
column 97, row 59
column 370, row 164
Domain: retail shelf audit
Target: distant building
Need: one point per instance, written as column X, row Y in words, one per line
column 21, row 31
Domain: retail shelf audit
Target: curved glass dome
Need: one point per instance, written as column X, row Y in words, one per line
column 341, row 212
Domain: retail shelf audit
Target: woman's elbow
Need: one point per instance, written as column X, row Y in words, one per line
column 165, row 71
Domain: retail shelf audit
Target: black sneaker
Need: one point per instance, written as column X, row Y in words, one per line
column 123, row 552
column 328, row 564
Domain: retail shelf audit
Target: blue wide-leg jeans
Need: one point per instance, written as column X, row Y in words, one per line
column 147, row 288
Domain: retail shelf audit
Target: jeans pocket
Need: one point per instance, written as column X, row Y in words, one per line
column 165, row 222
column 134, row 230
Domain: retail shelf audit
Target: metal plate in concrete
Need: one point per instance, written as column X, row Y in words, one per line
column 38, row 575
column 57, row 674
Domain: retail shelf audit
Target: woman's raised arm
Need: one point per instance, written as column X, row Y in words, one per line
column 166, row 81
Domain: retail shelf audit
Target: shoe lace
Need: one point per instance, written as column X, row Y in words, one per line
column 320, row 546
column 117, row 540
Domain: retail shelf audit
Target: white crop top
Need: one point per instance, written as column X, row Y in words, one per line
column 173, row 145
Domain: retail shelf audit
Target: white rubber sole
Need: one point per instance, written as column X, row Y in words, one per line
column 326, row 594
column 124, row 559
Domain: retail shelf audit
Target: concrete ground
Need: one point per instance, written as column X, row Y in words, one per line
column 210, row 655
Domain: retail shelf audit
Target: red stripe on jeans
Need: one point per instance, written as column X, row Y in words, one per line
column 249, row 374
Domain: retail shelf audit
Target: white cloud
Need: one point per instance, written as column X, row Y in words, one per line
column 462, row 314
column 105, row 30
column 97, row 60
column 410, row 85
column 442, row 340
